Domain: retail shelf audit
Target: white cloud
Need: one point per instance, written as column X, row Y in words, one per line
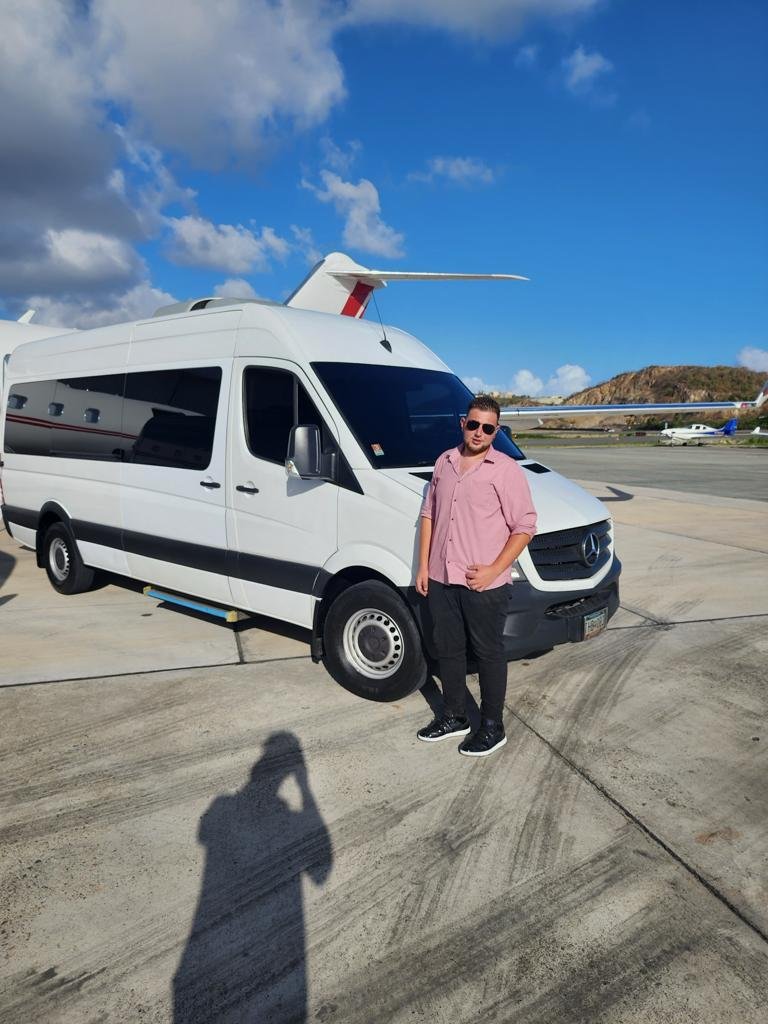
column 753, row 358
column 210, row 81
column 583, row 69
column 486, row 18
column 338, row 158
column 90, row 255
column 479, row 387
column 119, row 307
column 564, row 381
column 567, row 379
column 231, row 247
column 359, row 204
column 59, row 261
column 526, row 383
column 527, row 56
column 462, row 170
column 306, row 244
column 156, row 188
column 235, row 288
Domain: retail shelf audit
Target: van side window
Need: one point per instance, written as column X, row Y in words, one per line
column 275, row 401
column 169, row 416
column 28, row 427
column 89, row 417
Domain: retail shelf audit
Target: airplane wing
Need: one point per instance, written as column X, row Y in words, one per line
column 532, row 415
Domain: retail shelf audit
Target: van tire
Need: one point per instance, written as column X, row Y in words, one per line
column 372, row 643
column 62, row 561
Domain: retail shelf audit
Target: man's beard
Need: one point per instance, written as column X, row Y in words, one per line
column 483, row 447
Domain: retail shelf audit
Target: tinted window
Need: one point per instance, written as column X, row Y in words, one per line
column 400, row 415
column 275, row 401
column 88, row 414
column 28, row 427
column 169, row 416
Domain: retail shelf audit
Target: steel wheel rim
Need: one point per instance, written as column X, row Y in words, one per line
column 373, row 643
column 59, row 560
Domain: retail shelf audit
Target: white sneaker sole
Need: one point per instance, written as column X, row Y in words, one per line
column 483, row 753
column 448, row 735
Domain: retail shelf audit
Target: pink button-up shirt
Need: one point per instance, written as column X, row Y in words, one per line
column 474, row 515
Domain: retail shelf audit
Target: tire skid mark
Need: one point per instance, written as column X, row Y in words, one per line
column 450, row 956
column 553, row 806
column 641, row 949
column 136, row 717
column 143, row 767
column 141, row 802
column 143, row 707
column 455, row 828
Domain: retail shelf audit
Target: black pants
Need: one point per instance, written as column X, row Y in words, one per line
column 457, row 613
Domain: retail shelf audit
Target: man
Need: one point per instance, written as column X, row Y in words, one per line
column 476, row 518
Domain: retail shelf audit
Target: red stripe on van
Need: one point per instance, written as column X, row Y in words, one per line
column 32, row 421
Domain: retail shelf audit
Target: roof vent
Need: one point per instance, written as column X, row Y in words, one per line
column 191, row 305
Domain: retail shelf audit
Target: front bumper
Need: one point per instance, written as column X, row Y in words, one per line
column 537, row 620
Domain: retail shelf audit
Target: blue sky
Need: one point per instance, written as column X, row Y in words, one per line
column 613, row 151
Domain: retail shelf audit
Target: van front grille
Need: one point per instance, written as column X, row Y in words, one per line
column 575, row 554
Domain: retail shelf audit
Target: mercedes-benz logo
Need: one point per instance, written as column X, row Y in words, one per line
column 590, row 549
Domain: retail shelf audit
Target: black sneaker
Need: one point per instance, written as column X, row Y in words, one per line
column 443, row 727
column 489, row 737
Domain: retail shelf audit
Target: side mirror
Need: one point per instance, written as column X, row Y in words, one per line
column 306, row 459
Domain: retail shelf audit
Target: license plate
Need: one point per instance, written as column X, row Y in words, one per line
column 595, row 622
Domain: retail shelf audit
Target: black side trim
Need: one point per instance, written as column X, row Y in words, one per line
column 95, row 533
column 21, row 516
column 272, row 572
column 536, row 467
column 423, row 476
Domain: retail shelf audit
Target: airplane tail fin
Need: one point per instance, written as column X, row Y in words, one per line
column 762, row 398
column 730, row 427
column 339, row 285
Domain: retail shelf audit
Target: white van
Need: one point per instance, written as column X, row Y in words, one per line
column 274, row 460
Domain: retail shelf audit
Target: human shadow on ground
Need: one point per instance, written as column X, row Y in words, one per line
column 245, row 957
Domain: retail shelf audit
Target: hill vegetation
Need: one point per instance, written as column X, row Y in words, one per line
column 663, row 384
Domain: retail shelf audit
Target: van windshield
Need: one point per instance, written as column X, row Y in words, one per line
column 402, row 416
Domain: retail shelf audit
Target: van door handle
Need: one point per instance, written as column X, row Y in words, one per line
column 209, row 483
column 247, row 488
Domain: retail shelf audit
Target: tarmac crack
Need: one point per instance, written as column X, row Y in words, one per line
column 648, row 620
column 645, row 829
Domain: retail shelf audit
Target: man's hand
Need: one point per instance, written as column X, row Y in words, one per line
column 480, row 576
column 422, row 582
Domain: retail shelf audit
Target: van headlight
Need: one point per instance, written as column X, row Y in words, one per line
column 516, row 572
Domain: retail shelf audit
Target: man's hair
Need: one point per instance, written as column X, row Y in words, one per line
column 486, row 404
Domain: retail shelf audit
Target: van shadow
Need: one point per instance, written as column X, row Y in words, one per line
column 245, row 956
column 7, row 562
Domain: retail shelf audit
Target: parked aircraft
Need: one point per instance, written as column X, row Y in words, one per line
column 697, row 433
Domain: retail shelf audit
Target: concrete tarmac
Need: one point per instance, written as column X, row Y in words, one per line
column 715, row 469
column 199, row 825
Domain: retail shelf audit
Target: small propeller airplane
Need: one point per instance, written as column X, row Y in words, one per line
column 339, row 285
column 697, row 433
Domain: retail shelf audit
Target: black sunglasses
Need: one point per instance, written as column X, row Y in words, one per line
column 488, row 428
